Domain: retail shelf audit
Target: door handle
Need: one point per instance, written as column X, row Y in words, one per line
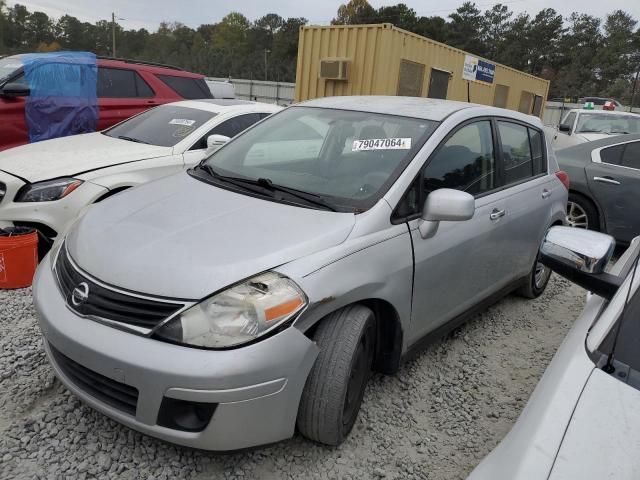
column 496, row 214
column 608, row 180
column 546, row 193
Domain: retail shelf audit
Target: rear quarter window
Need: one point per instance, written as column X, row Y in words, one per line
column 186, row 87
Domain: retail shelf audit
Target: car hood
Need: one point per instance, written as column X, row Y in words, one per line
column 589, row 137
column 179, row 237
column 68, row 156
column 605, row 425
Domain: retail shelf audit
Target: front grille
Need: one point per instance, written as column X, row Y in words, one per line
column 116, row 394
column 102, row 302
column 3, row 191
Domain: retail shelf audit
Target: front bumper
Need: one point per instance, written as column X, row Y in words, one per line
column 57, row 215
column 256, row 388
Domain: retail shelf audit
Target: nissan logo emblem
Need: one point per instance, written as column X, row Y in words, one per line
column 80, row 294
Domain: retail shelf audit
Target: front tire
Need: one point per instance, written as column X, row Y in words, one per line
column 333, row 393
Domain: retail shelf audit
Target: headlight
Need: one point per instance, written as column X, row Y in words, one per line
column 48, row 191
column 237, row 315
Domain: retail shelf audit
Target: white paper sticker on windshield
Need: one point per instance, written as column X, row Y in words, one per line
column 182, row 121
column 381, row 144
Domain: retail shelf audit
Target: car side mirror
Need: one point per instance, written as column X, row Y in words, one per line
column 565, row 127
column 214, row 142
column 581, row 257
column 12, row 90
column 447, row 205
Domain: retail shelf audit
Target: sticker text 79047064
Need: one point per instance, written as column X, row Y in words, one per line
column 381, row 144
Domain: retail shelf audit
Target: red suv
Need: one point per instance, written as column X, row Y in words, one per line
column 124, row 88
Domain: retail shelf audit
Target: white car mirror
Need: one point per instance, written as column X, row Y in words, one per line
column 214, row 142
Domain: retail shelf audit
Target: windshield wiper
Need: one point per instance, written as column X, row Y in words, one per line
column 131, row 139
column 238, row 182
column 270, row 187
column 308, row 197
column 593, row 131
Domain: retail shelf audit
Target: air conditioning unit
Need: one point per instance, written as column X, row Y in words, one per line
column 334, row 69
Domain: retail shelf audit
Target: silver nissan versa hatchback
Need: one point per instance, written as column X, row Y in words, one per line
column 221, row 307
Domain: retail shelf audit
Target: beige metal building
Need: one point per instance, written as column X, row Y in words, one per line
column 385, row 60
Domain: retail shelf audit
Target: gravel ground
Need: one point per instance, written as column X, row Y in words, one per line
column 435, row 419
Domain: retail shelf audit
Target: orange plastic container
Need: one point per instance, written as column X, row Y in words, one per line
column 18, row 259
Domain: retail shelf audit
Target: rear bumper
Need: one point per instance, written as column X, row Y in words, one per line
column 256, row 388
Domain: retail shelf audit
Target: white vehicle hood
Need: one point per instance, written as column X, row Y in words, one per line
column 179, row 237
column 603, row 437
column 590, row 137
column 68, row 156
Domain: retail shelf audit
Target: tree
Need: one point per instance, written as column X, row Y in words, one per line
column 355, row 12
column 465, row 28
column 435, row 28
column 495, row 26
column 616, row 53
column 577, row 47
column 400, row 15
column 543, row 40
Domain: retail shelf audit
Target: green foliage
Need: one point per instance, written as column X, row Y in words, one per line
column 581, row 55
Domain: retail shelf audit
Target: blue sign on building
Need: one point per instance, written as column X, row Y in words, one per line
column 485, row 72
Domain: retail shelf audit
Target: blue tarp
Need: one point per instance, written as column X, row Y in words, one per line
column 63, row 98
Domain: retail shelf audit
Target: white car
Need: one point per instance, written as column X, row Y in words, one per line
column 583, row 419
column 583, row 125
column 47, row 184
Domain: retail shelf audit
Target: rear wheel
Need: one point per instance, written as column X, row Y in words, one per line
column 581, row 213
column 333, row 393
column 537, row 281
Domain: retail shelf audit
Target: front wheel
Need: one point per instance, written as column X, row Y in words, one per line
column 333, row 393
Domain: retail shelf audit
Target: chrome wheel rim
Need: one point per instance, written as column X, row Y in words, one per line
column 540, row 274
column 576, row 216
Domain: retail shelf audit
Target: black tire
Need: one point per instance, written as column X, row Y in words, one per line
column 333, row 393
column 578, row 202
column 536, row 282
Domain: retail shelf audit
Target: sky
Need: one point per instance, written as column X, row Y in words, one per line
column 148, row 14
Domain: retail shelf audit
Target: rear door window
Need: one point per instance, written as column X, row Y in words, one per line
column 537, row 151
column 121, row 83
column 187, row 87
column 517, row 160
column 631, row 157
column 612, row 155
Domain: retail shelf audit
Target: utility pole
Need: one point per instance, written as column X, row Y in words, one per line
column 265, row 63
column 113, row 33
column 633, row 91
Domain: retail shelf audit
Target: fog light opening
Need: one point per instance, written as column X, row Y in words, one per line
column 184, row 415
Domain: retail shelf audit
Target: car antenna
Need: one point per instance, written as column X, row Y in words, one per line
column 608, row 367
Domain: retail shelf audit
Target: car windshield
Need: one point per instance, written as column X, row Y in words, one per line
column 608, row 123
column 9, row 65
column 164, row 126
column 348, row 158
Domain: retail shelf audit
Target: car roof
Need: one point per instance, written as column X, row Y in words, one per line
column 151, row 67
column 583, row 150
column 604, row 112
column 224, row 105
column 416, row 107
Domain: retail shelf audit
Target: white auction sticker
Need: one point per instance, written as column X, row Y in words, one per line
column 381, row 144
column 182, row 121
